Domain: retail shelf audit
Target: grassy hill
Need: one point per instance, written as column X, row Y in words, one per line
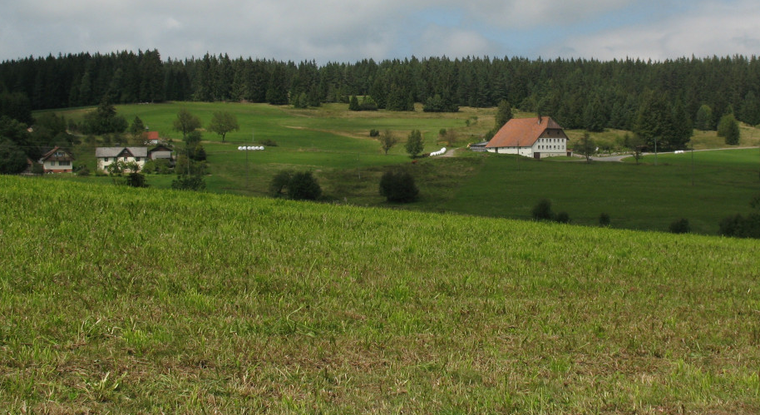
column 142, row 300
column 334, row 144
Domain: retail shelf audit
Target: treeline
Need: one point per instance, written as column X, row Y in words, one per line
column 578, row 93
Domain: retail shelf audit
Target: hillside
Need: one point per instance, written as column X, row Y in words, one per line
column 140, row 300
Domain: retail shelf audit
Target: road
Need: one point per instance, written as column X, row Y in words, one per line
column 621, row 157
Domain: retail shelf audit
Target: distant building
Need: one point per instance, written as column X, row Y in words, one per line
column 151, row 138
column 108, row 155
column 57, row 160
column 161, row 152
column 530, row 137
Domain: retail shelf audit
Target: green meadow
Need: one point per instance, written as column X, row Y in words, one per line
column 334, row 144
column 121, row 300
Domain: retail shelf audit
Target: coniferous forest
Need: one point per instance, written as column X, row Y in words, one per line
column 578, row 93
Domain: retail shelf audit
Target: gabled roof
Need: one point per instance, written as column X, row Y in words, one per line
column 152, row 135
column 50, row 155
column 117, row 151
column 522, row 132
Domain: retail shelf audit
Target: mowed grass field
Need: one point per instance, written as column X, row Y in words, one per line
column 120, row 300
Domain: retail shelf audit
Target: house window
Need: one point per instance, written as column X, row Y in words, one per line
column 137, row 158
column 105, row 159
column 64, row 163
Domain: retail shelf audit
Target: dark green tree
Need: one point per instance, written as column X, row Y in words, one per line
column 503, row 114
column 750, row 109
column 704, row 119
column 137, row 127
column 682, row 127
column 104, row 120
column 586, row 147
column 304, row 186
column 354, row 104
column 594, row 118
column 222, row 122
column 728, row 128
column 387, row 140
column 414, row 143
column 398, row 187
column 12, row 158
column 186, row 122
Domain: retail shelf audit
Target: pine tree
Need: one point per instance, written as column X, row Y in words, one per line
column 503, row 114
column 704, row 120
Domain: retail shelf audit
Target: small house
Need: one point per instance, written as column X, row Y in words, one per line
column 151, row 138
column 57, row 160
column 530, row 137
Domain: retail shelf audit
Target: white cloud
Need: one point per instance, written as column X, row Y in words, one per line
column 346, row 30
column 709, row 29
column 451, row 42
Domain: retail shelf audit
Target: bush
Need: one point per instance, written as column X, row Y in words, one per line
column 279, row 183
column 562, row 217
column 542, row 210
column 398, row 187
column 680, row 226
column 738, row 226
column 374, row 133
column 604, row 219
column 136, row 180
column 268, row 142
column 303, row 186
column 189, row 183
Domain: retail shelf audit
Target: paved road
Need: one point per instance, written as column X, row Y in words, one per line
column 621, row 157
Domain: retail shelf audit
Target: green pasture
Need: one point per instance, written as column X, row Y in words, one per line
column 334, row 144
column 645, row 196
column 120, row 300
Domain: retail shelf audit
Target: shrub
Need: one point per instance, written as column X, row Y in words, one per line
column 398, row 187
column 680, row 226
column 562, row 217
column 374, row 133
column 279, row 183
column 740, row 227
column 136, row 180
column 303, row 186
column 542, row 210
column 189, row 183
column 604, row 219
column 268, row 142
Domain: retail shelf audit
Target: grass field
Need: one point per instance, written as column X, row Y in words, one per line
column 635, row 196
column 119, row 300
column 334, row 144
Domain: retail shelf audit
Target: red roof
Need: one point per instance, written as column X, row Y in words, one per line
column 153, row 135
column 522, row 132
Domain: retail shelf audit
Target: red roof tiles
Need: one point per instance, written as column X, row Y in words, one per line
column 522, row 132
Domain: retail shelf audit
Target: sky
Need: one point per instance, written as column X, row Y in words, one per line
column 351, row 30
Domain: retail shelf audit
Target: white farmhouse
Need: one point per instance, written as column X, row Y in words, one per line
column 530, row 137
column 57, row 160
column 108, row 155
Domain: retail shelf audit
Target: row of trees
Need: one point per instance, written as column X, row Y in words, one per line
column 578, row 93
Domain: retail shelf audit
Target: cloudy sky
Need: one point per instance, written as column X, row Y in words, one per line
column 350, row 30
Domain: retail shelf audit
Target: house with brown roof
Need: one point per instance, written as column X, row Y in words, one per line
column 530, row 137
column 57, row 160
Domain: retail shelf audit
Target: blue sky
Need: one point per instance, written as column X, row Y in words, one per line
column 350, row 30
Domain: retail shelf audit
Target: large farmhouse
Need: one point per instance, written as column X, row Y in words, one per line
column 530, row 137
column 108, row 155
